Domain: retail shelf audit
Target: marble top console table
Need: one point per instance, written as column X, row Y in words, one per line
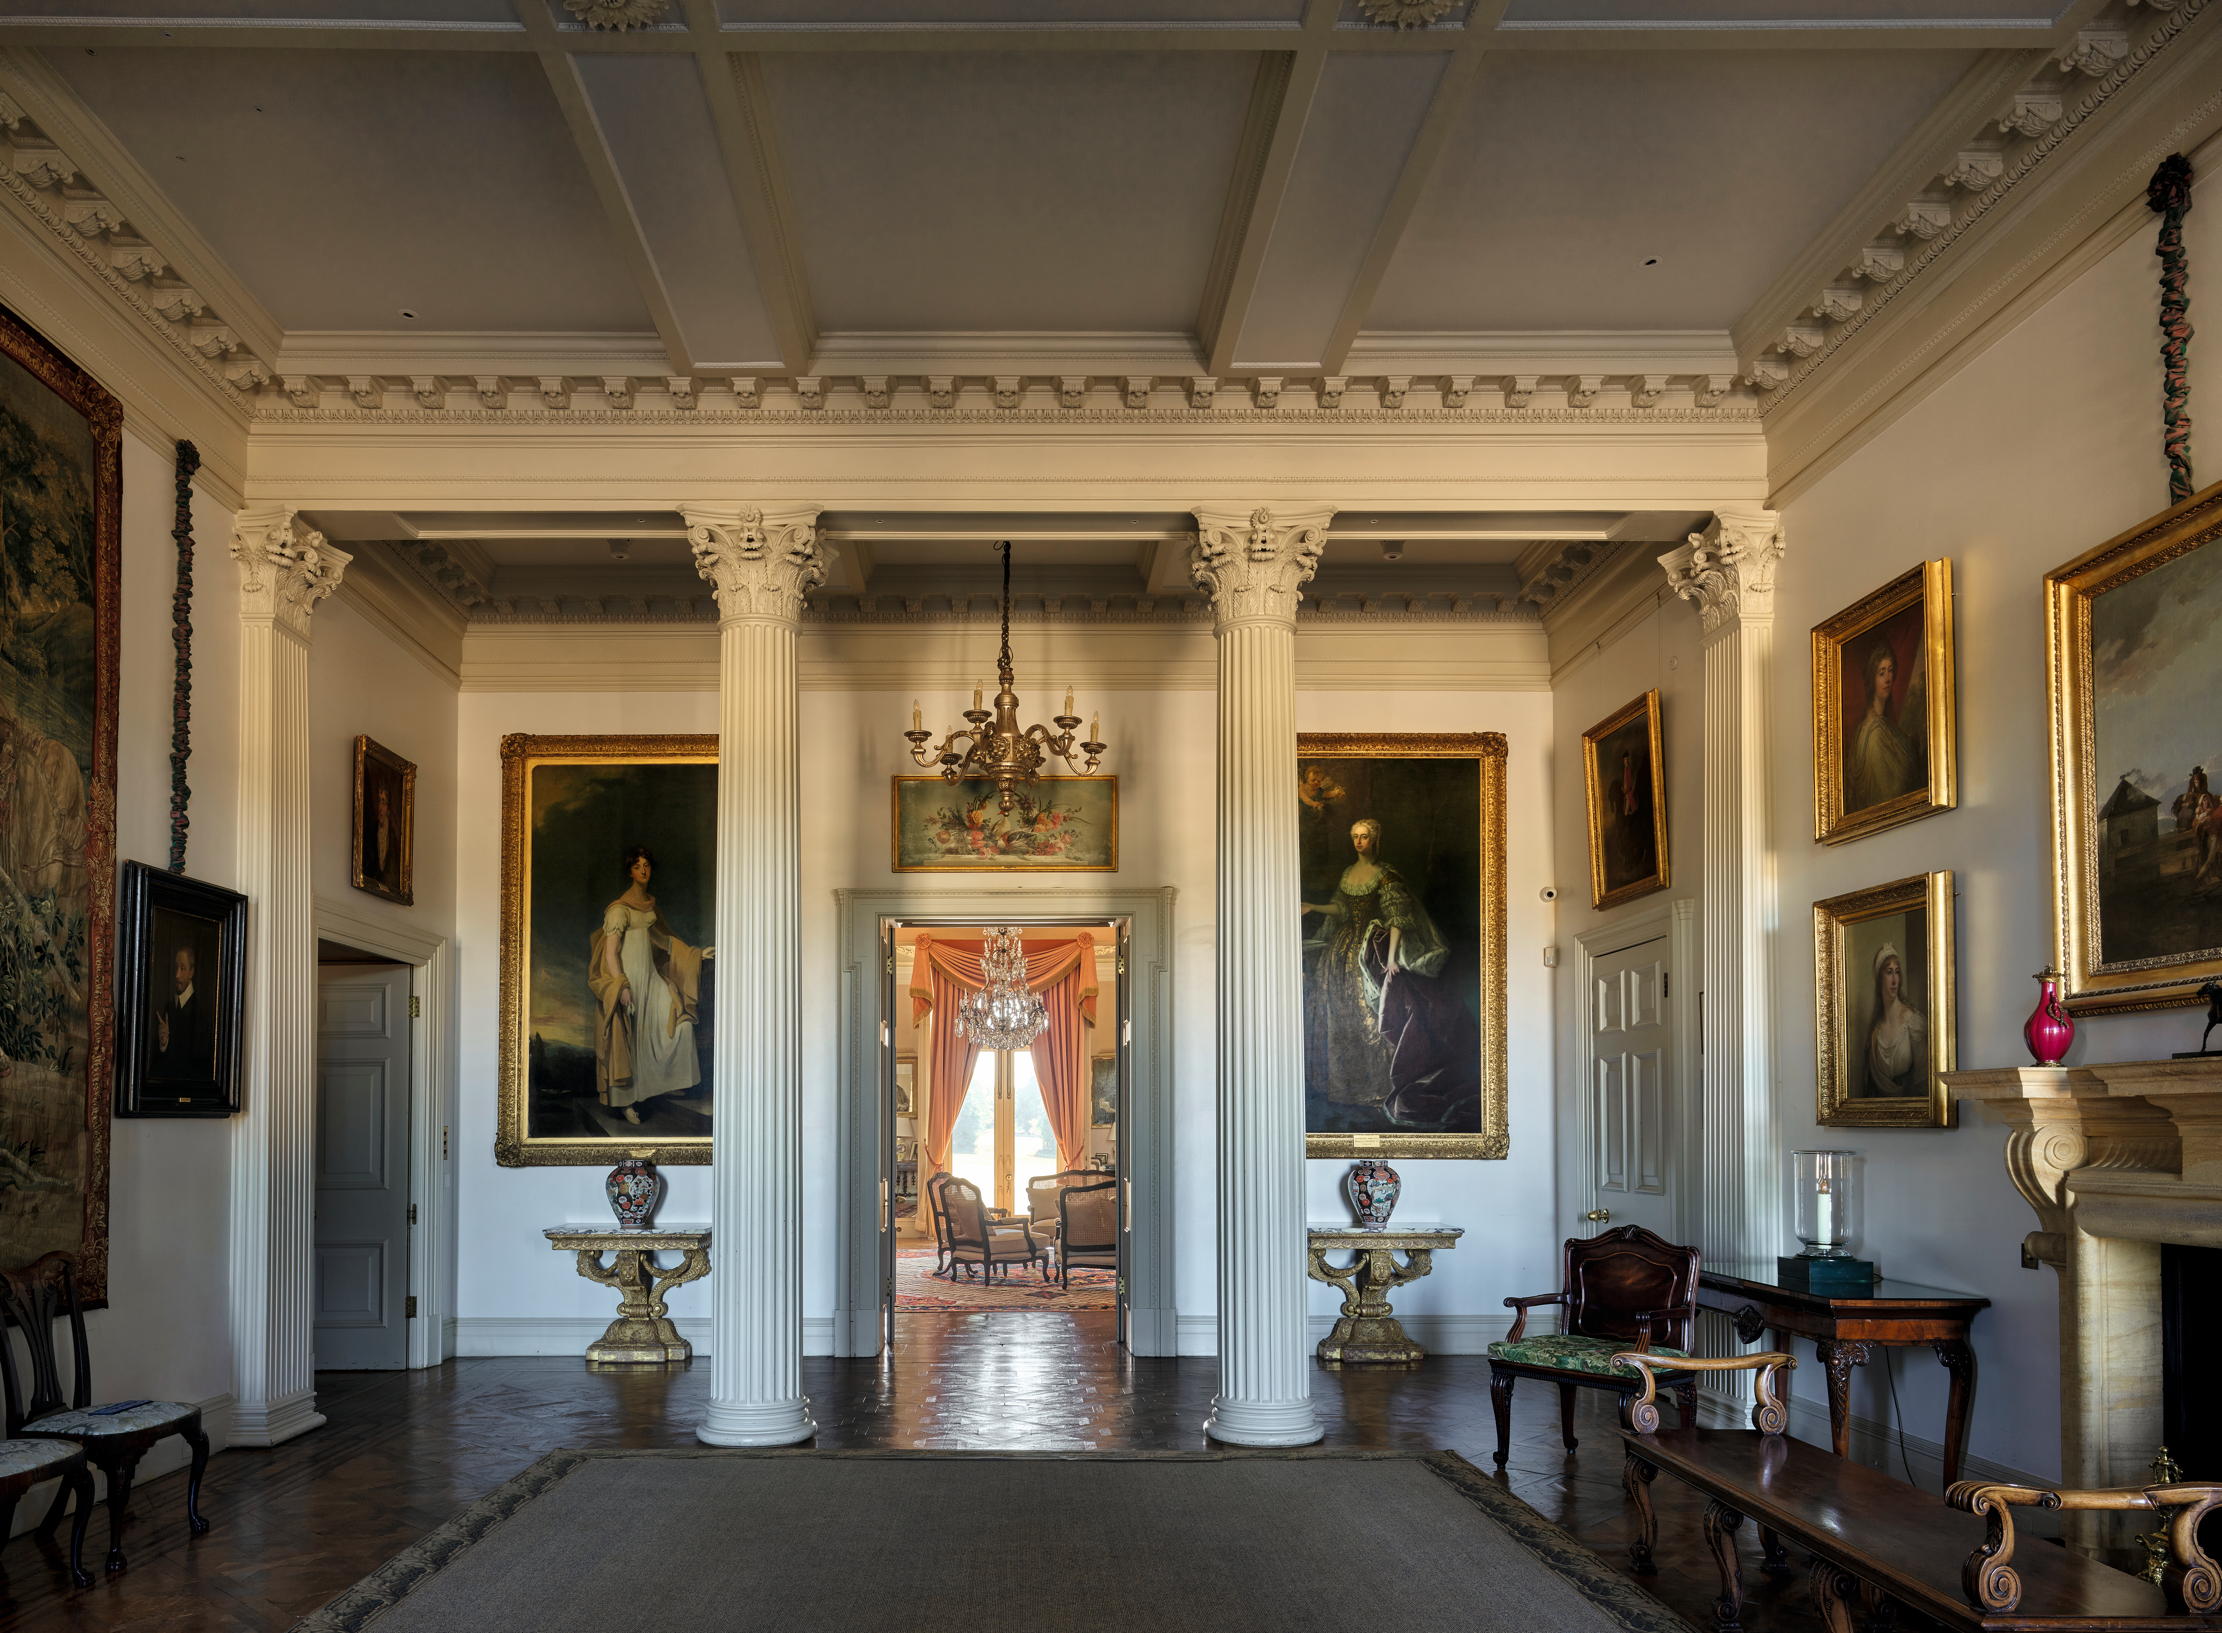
column 1367, row 1331
column 642, row 1334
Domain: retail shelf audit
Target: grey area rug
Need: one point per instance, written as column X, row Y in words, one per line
column 923, row 1542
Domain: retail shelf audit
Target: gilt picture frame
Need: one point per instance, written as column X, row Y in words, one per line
column 608, row 991
column 2132, row 667
column 1401, row 852
column 61, row 492
column 1886, row 708
column 1886, row 1008
column 383, row 844
column 181, row 995
column 1624, row 792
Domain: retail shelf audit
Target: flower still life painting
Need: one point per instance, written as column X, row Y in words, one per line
column 1884, row 710
column 608, row 894
column 1400, row 842
column 1057, row 825
column 1884, row 1004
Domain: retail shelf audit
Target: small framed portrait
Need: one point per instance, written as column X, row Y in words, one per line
column 1884, row 714
column 906, row 1092
column 385, row 821
column 1885, row 1007
column 1103, row 1091
column 1624, row 774
column 181, row 983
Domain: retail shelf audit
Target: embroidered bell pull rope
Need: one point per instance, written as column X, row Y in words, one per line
column 181, row 638
column 2169, row 195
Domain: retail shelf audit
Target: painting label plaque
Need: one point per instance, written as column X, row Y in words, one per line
column 1401, row 850
column 1057, row 825
column 608, row 892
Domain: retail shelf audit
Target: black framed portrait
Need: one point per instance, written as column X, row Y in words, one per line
column 181, row 985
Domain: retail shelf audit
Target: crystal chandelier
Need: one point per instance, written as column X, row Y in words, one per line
column 1004, row 753
column 1005, row 1013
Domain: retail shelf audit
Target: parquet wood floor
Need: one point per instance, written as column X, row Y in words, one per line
column 403, row 1450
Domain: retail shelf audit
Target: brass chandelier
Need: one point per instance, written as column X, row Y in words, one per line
column 1005, row 1013
column 1004, row 753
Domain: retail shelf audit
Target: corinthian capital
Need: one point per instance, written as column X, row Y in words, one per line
column 1252, row 566
column 760, row 563
column 285, row 568
column 1728, row 570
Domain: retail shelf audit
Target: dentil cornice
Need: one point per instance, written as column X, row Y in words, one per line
column 760, row 564
column 1254, row 567
column 285, row 568
column 1728, row 570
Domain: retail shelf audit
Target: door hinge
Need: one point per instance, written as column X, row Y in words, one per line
column 1126, row 1031
column 883, row 1035
column 1666, row 983
column 412, row 1213
column 443, row 1142
column 409, row 1308
column 416, row 1007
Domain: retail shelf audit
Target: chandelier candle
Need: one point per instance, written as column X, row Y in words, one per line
column 1005, row 753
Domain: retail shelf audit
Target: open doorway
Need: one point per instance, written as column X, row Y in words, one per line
column 1006, row 1162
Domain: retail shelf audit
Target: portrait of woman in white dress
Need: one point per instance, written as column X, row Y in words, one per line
column 1897, row 1053
column 647, row 986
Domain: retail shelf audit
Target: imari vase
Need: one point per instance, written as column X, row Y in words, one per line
column 1373, row 1192
column 632, row 1187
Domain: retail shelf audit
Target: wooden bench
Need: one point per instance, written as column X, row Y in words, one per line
column 1871, row 1536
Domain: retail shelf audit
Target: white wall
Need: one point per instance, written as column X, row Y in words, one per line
column 517, row 1296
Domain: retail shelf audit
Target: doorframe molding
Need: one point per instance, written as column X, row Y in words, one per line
column 1677, row 922
column 431, row 1109
column 1145, row 1143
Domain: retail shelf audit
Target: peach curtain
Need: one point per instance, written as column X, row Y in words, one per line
column 1061, row 1068
column 949, row 1060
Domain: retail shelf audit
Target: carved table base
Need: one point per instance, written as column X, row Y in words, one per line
column 642, row 1334
column 1368, row 1332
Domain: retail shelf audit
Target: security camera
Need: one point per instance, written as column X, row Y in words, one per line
column 1549, row 893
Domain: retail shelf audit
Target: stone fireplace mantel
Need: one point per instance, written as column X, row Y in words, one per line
column 2117, row 1159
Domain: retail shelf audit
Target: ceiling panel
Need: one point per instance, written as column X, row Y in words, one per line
column 1656, row 190
column 347, row 187
column 1360, row 128
column 969, row 191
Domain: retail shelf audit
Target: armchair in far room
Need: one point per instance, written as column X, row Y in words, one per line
column 987, row 1242
column 1625, row 1289
column 1042, row 1192
column 1087, row 1229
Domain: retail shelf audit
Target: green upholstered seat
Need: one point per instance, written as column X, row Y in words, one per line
column 1569, row 1352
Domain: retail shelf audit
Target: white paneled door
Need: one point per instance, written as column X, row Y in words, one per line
column 1632, row 1121
column 362, row 1167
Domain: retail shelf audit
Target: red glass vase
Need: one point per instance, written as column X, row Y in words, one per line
column 2050, row 1028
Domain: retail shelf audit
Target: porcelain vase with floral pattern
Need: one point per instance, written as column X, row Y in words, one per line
column 1373, row 1192
column 633, row 1186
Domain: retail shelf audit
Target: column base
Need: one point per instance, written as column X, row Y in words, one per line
column 272, row 1423
column 1263, row 1423
column 757, row 1423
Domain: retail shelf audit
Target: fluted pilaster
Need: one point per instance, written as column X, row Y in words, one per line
column 1253, row 568
column 1728, row 572
column 285, row 569
column 761, row 564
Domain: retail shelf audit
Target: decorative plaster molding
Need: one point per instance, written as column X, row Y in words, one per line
column 285, row 568
column 1254, row 567
column 618, row 14
column 1265, row 391
column 1582, row 389
column 1403, row 14
column 1458, row 387
column 555, row 392
column 617, row 391
column 1201, row 389
column 760, row 566
column 810, row 392
column 1007, row 389
column 1329, row 390
column 492, row 389
column 429, row 390
column 1519, row 390
column 1728, row 570
column 1554, row 569
column 747, row 392
column 1391, row 390
column 681, row 388
column 1072, row 391
column 1644, row 390
column 941, row 390
column 1135, row 391
column 874, row 387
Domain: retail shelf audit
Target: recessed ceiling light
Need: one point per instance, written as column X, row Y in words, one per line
column 1650, row 260
column 405, row 312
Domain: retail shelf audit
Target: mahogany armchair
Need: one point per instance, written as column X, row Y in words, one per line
column 985, row 1242
column 1624, row 1289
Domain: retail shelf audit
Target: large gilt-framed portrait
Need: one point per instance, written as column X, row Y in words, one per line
column 385, row 822
column 1054, row 825
column 2135, row 665
column 60, row 507
column 607, row 998
column 1401, row 851
column 181, row 995
column 1624, row 786
column 1886, row 1026
column 1885, row 709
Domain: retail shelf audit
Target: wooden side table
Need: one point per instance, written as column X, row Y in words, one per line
column 642, row 1334
column 1844, row 1328
column 1367, row 1332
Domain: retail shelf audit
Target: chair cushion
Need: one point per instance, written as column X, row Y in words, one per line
column 1569, row 1352
column 121, row 1418
column 21, row 1457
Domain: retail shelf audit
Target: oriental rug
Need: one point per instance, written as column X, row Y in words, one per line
column 918, row 1288
column 942, row 1542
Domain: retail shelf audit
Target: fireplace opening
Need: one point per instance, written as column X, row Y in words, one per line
column 2191, row 1338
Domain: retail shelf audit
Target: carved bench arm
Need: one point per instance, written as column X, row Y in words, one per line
column 2191, row 1580
column 1640, row 1412
column 1523, row 1305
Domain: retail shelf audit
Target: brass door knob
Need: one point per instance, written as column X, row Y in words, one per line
column 1598, row 1216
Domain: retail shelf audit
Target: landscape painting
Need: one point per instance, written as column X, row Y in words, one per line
column 609, row 893
column 60, row 479
column 1400, row 844
column 1055, row 825
column 2137, row 816
column 1885, row 709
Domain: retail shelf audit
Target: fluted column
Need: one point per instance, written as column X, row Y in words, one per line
column 761, row 564
column 285, row 569
column 1252, row 567
column 1728, row 571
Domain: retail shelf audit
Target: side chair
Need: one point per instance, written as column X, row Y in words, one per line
column 1087, row 1228
column 113, row 1437
column 990, row 1243
column 28, row 1463
column 1624, row 1289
